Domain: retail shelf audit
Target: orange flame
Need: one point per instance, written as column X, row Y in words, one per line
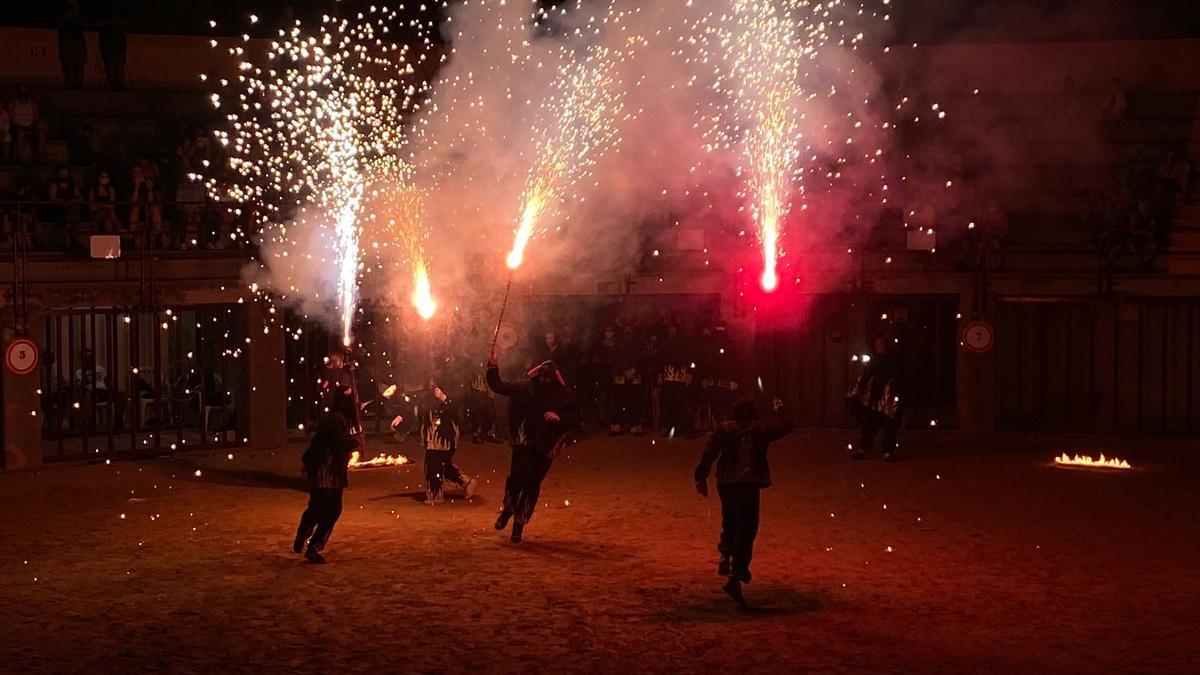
column 390, row 391
column 529, row 217
column 422, row 296
column 381, row 460
column 1085, row 460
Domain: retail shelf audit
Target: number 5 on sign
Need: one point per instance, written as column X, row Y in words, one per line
column 21, row 356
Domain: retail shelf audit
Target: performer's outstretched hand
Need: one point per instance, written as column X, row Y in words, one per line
column 702, row 487
column 551, row 417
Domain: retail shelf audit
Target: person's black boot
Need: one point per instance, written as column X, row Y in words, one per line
column 313, row 555
column 502, row 520
column 517, row 531
column 298, row 545
column 734, row 588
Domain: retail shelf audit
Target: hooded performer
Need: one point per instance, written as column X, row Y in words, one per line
column 542, row 412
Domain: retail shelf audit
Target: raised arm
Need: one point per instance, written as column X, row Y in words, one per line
column 496, row 384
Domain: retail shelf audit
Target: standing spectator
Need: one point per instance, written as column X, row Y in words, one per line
column 26, row 125
column 72, row 48
column 26, row 215
column 1115, row 103
column 676, row 385
column 102, row 204
column 67, row 212
column 5, row 135
column 145, row 212
column 113, row 50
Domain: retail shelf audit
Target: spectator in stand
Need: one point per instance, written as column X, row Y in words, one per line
column 25, row 214
column 26, row 125
column 145, row 210
column 5, row 135
column 113, row 50
column 83, row 145
column 1115, row 103
column 1142, row 234
column 192, row 159
column 67, row 210
column 993, row 231
column 72, row 47
column 102, row 204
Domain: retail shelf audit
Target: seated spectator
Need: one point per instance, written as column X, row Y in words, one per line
column 26, row 125
column 102, row 204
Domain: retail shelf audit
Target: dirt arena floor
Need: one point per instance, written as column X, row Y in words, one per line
column 970, row 555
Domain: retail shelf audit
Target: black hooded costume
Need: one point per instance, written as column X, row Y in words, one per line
column 536, row 439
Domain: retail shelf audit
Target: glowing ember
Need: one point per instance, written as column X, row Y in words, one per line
column 381, row 460
column 1085, row 460
column 390, row 391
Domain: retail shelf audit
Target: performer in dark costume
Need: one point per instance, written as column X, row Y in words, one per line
column 877, row 401
column 438, row 416
column 739, row 449
column 326, row 464
column 676, row 385
column 542, row 411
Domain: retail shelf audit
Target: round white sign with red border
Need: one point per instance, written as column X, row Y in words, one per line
column 21, row 356
column 978, row 337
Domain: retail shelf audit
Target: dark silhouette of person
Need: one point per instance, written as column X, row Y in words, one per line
column 326, row 465
column 878, row 400
column 738, row 447
column 542, row 411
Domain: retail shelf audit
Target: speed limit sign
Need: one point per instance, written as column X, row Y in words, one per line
column 978, row 336
column 21, row 356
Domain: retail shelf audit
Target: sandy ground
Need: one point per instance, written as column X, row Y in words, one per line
column 998, row 562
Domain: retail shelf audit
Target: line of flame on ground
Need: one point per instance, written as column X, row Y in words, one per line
column 1085, row 460
column 381, row 460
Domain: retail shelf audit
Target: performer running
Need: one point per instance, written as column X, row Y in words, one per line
column 439, row 431
column 739, row 449
column 542, row 411
column 326, row 464
column 878, row 400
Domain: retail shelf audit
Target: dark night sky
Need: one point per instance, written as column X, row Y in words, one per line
column 915, row 20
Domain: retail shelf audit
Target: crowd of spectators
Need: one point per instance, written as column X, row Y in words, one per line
column 1132, row 216
column 153, row 200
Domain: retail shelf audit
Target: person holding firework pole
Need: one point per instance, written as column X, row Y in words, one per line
column 738, row 447
column 438, row 420
column 542, row 411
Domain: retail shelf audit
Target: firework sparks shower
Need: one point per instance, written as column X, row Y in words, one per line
column 580, row 115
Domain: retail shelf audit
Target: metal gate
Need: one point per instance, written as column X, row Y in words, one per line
column 119, row 381
column 1131, row 366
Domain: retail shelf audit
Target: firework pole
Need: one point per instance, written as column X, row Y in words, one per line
column 503, row 306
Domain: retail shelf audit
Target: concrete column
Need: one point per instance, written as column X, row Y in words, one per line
column 267, row 407
column 22, row 427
